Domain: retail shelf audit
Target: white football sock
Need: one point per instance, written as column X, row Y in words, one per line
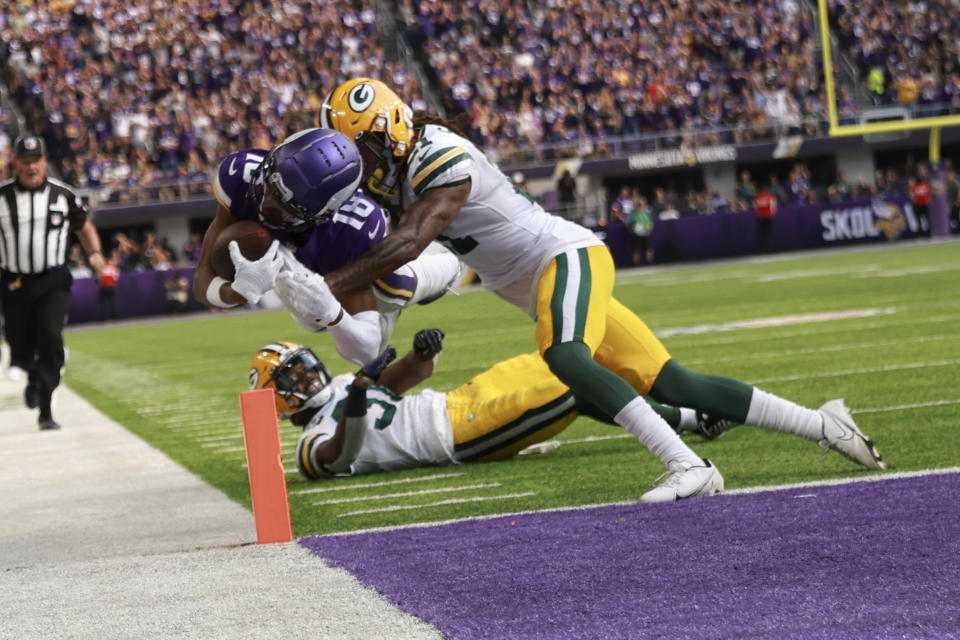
column 768, row 411
column 655, row 434
column 688, row 419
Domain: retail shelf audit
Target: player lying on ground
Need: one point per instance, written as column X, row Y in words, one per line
column 304, row 191
column 444, row 188
column 361, row 424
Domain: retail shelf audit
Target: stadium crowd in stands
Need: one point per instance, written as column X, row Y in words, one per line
column 132, row 97
column 583, row 73
column 907, row 52
column 138, row 103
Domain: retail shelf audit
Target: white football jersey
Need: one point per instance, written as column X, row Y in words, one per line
column 403, row 432
column 501, row 233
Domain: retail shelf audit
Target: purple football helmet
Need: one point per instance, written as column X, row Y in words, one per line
column 305, row 179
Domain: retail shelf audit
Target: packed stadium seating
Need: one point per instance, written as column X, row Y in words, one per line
column 139, row 104
column 133, row 99
column 911, row 47
column 581, row 74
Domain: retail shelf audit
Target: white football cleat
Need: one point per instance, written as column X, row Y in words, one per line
column 841, row 434
column 686, row 481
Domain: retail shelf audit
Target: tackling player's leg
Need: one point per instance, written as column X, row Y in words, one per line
column 572, row 301
column 635, row 353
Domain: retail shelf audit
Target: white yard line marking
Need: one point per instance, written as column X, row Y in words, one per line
column 213, row 441
column 404, row 494
column 231, row 449
column 819, row 331
column 910, row 271
column 441, row 503
column 915, row 405
column 854, row 372
column 347, row 487
column 879, row 477
column 837, row 347
column 776, row 321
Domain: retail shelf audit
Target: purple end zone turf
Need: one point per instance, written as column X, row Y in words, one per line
column 863, row 560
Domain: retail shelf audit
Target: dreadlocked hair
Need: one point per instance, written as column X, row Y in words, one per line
column 456, row 124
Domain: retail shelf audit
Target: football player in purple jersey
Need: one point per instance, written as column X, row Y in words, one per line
column 305, row 190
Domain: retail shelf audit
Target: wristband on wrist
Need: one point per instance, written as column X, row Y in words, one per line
column 213, row 293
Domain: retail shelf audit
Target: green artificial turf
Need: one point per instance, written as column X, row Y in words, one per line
column 896, row 361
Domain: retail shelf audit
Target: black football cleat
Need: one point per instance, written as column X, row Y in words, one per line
column 49, row 424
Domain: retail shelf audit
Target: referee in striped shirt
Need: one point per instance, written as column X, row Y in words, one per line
column 37, row 216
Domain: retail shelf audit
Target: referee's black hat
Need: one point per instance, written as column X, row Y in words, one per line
column 29, row 146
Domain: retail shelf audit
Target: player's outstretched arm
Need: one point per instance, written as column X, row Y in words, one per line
column 419, row 224
column 417, row 365
column 208, row 288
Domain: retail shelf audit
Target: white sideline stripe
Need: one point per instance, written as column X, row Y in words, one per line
column 852, row 372
column 441, row 503
column 404, row 494
column 437, row 476
column 836, row 347
column 776, row 321
column 915, row 405
column 839, row 481
column 735, row 492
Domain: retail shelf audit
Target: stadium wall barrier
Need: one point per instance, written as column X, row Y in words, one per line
column 723, row 235
column 138, row 293
column 689, row 238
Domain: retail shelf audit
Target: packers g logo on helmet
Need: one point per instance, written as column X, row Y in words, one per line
column 360, row 105
column 361, row 97
column 381, row 124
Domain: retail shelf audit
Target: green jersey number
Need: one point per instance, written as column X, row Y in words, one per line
column 460, row 246
column 382, row 411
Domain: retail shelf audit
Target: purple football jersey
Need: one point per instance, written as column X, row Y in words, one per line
column 354, row 228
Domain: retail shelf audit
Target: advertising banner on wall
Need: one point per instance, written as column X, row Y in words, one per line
column 721, row 235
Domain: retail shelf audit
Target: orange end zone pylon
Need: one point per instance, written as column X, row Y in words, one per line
column 268, row 482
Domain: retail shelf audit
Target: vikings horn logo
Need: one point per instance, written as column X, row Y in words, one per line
column 889, row 219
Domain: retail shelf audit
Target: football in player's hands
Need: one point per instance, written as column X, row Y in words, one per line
column 253, row 239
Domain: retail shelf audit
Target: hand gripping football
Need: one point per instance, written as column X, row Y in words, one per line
column 253, row 239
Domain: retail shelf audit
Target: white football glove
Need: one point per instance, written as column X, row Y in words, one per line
column 290, row 262
column 308, row 299
column 255, row 278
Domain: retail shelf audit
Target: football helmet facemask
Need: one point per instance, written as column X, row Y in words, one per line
column 298, row 378
column 381, row 124
column 304, row 180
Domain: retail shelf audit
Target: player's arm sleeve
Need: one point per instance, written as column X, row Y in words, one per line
column 420, row 281
column 442, row 166
column 357, row 336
